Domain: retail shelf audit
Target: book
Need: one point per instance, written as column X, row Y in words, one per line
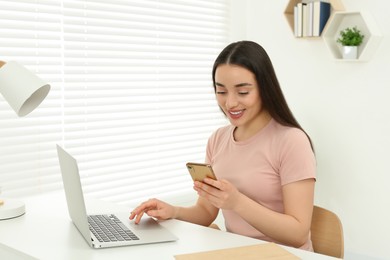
column 299, row 19
column 296, row 21
column 305, row 19
column 310, row 7
column 321, row 14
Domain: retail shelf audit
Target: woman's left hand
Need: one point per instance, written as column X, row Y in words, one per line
column 220, row 193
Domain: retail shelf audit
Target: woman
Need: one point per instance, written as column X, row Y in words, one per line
column 264, row 161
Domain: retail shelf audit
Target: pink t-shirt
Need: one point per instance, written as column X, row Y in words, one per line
column 259, row 167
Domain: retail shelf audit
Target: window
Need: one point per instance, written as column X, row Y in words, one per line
column 131, row 97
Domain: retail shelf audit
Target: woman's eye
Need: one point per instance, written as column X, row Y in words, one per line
column 221, row 92
column 243, row 93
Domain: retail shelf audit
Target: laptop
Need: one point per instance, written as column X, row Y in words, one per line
column 122, row 231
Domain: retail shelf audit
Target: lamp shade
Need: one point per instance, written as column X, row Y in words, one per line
column 21, row 88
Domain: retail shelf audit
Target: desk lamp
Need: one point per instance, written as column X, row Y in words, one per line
column 23, row 91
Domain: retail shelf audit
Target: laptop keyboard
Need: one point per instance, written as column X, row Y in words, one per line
column 108, row 228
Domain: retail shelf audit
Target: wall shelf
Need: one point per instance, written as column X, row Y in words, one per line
column 336, row 5
column 364, row 22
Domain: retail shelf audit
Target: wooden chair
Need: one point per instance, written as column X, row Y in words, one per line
column 215, row 226
column 327, row 233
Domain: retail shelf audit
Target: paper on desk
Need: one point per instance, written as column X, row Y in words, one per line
column 255, row 252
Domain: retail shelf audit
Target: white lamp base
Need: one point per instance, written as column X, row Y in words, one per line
column 11, row 208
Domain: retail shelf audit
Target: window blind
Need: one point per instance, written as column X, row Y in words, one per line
column 131, row 96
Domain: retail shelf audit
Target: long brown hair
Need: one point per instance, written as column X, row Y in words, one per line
column 253, row 57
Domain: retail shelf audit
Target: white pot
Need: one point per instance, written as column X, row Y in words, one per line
column 350, row 52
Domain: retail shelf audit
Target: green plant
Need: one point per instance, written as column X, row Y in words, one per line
column 350, row 37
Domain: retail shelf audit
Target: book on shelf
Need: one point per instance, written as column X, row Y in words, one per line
column 310, row 18
column 310, row 7
column 296, row 21
column 321, row 14
column 305, row 20
column 298, row 17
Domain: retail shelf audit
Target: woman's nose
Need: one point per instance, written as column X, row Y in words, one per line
column 231, row 101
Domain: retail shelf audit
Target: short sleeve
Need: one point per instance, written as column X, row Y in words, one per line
column 297, row 160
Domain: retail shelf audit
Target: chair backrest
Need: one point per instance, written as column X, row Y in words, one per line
column 327, row 233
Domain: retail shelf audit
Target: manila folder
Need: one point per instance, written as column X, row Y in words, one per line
column 260, row 251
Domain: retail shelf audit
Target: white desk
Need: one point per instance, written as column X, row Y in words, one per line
column 31, row 235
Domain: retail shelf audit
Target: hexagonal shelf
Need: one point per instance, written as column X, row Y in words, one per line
column 364, row 22
column 336, row 5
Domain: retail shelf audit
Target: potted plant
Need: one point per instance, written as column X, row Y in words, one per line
column 350, row 39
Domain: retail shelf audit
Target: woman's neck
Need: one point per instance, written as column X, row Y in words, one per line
column 244, row 132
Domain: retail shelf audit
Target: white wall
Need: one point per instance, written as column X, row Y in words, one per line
column 344, row 107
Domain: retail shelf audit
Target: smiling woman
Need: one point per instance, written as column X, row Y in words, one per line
column 239, row 98
column 131, row 94
column 263, row 162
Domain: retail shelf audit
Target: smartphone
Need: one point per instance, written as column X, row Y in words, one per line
column 199, row 171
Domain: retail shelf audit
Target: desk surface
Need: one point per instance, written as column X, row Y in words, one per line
column 32, row 235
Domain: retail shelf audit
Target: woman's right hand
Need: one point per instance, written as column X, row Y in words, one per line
column 154, row 208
